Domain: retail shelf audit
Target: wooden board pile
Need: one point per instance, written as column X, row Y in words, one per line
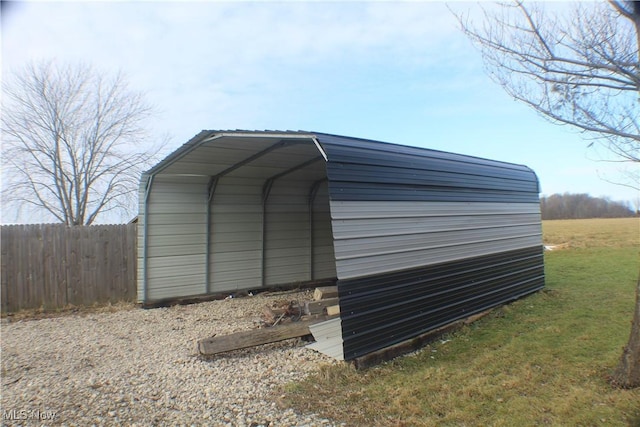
column 325, row 301
column 281, row 320
column 280, row 312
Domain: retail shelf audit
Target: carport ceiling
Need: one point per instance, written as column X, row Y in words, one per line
column 243, row 156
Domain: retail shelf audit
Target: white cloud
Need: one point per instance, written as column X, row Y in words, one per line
column 223, row 62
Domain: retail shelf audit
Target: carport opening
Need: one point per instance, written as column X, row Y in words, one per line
column 269, row 221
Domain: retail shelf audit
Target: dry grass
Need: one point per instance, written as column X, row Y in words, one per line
column 543, row 360
column 591, row 233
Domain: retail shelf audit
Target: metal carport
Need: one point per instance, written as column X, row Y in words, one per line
column 416, row 238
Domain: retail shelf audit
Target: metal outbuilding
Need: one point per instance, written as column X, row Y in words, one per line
column 415, row 238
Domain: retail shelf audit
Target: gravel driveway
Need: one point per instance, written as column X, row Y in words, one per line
column 140, row 367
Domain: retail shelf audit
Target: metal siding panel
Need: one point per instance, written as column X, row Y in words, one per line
column 177, row 272
column 324, row 261
column 236, row 200
column 371, row 170
column 364, row 266
column 185, row 289
column 287, row 230
column 290, row 251
column 164, row 283
column 179, row 203
column 246, row 240
column 227, row 257
column 294, row 229
column 171, row 219
column 237, row 220
column 403, row 192
column 236, row 283
column 177, row 229
column 284, row 244
column 227, row 226
column 239, row 209
column 332, row 143
column 418, row 209
column 382, row 310
column 235, row 241
column 364, row 227
column 141, row 242
column 235, row 235
column 328, row 336
column 455, row 176
column 349, row 248
column 191, row 183
column 402, row 235
column 181, row 185
column 176, row 249
column 225, row 278
column 166, row 263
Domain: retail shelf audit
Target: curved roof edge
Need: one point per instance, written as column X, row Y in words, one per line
column 369, row 159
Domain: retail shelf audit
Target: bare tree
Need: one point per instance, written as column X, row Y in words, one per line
column 578, row 69
column 581, row 70
column 575, row 206
column 73, row 142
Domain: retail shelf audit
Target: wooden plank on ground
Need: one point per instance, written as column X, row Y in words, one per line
column 318, row 307
column 325, row 292
column 254, row 337
column 333, row 310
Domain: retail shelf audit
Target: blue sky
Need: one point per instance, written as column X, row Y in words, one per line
column 392, row 71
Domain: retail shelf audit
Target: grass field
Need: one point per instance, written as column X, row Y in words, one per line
column 543, row 360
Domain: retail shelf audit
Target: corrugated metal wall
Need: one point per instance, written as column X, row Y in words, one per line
column 236, row 234
column 423, row 238
column 324, row 262
column 259, row 205
column 288, row 238
column 175, row 240
column 379, row 311
column 376, row 237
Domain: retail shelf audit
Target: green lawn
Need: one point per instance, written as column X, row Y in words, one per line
column 543, row 360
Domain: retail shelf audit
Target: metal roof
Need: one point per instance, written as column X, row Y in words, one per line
column 357, row 169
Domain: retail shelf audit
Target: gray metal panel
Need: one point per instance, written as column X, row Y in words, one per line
column 173, row 266
column 328, row 336
column 357, row 228
column 416, row 209
column 236, row 235
column 175, row 245
column 287, row 226
column 422, row 233
column 324, row 261
column 366, row 266
column 140, row 281
column 236, row 257
column 372, row 245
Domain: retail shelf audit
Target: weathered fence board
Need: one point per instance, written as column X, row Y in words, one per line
column 53, row 265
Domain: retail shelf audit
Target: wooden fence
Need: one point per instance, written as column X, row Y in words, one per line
column 52, row 265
